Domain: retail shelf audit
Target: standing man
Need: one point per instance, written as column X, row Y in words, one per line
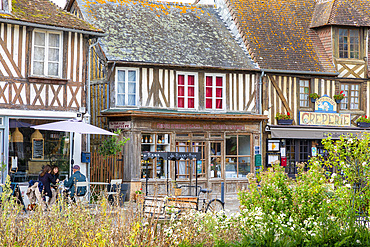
column 71, row 183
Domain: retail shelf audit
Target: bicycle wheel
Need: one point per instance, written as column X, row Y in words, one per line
column 215, row 206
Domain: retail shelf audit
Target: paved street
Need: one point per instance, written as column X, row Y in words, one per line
column 231, row 205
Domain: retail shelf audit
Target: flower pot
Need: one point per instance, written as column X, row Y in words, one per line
column 313, row 100
column 363, row 125
column 338, row 101
column 178, row 191
column 285, row 121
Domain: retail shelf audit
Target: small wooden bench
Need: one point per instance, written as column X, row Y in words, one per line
column 163, row 207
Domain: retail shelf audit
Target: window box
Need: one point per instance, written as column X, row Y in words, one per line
column 363, row 125
column 285, row 121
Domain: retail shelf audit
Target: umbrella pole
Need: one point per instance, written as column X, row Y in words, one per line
column 72, row 153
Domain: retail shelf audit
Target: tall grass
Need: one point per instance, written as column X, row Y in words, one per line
column 109, row 225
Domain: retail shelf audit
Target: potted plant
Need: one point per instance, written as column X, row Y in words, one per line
column 284, row 119
column 139, row 197
column 314, row 97
column 363, row 122
column 339, row 97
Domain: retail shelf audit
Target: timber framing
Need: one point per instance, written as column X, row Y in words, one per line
column 179, row 115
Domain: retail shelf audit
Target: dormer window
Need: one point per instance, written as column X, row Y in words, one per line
column 5, row 5
column 349, row 40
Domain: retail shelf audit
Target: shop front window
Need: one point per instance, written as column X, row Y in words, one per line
column 30, row 150
column 186, row 168
column 238, row 156
column 216, row 156
column 154, row 142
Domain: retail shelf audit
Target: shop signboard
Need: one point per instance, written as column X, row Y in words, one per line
column 314, row 151
column 326, row 119
column 325, row 114
column 258, row 160
column 199, row 126
column 37, row 149
column 123, row 125
column 325, row 104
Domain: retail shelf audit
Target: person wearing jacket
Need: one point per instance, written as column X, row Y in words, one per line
column 71, row 182
column 46, row 179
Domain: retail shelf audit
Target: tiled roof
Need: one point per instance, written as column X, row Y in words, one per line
column 321, row 14
column 342, row 12
column 46, row 13
column 351, row 12
column 164, row 33
column 278, row 33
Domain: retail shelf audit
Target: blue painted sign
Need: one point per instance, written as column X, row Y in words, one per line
column 325, row 104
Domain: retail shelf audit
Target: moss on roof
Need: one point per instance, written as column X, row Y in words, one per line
column 278, row 31
column 164, row 33
column 46, row 13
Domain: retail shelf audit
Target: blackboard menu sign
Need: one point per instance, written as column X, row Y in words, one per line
column 37, row 149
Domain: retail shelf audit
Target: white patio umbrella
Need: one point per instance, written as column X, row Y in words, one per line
column 73, row 126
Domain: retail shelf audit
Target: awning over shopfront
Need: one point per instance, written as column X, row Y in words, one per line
column 310, row 132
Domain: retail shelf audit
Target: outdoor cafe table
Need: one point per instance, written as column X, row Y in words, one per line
column 96, row 188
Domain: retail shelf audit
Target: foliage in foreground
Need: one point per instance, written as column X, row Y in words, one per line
column 318, row 208
column 315, row 209
column 110, row 225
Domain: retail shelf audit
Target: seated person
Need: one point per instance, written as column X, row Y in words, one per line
column 46, row 179
column 71, row 182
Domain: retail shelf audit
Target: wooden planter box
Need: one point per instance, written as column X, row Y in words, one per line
column 285, row 121
column 363, row 125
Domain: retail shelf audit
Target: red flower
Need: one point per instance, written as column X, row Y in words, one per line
column 365, row 116
column 341, row 92
column 141, row 188
column 288, row 114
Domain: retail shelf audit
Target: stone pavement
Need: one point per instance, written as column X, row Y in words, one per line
column 231, row 205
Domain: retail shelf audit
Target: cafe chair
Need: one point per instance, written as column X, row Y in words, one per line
column 113, row 189
column 82, row 197
column 113, row 186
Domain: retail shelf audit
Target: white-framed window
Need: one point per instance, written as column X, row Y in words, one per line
column 304, row 93
column 187, row 90
column 126, row 86
column 351, row 100
column 47, row 53
column 215, row 91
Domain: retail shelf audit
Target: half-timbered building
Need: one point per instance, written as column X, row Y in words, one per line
column 175, row 79
column 43, row 55
column 305, row 47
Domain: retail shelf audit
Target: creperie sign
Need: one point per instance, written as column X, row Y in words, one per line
column 326, row 119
